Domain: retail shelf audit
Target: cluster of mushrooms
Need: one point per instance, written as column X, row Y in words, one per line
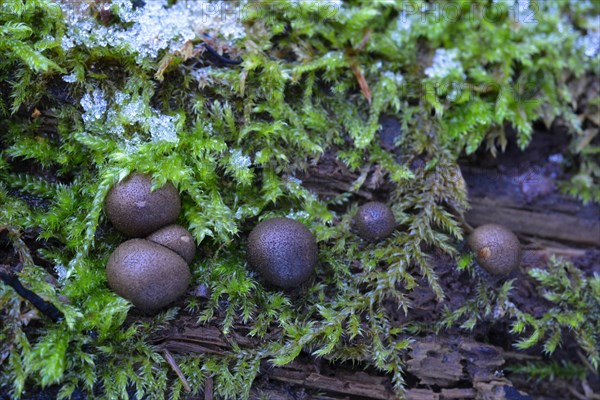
column 152, row 269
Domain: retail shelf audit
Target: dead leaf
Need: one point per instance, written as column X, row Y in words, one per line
column 362, row 82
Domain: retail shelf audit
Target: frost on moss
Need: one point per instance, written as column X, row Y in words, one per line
column 234, row 139
column 149, row 28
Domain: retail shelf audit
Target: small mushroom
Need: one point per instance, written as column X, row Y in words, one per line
column 374, row 221
column 283, row 251
column 137, row 211
column 496, row 248
column 149, row 275
column 176, row 238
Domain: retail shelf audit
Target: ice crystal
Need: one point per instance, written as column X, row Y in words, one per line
column 590, row 43
column 131, row 146
column 241, row 212
column 133, row 111
column 126, row 110
column 162, row 128
column 94, row 105
column 61, row 272
column 444, row 62
column 455, row 92
column 203, row 76
column 404, row 23
column 581, row 5
column 398, row 78
column 298, row 215
column 556, row 158
column 238, row 160
column 148, row 30
column 71, row 78
column 294, row 180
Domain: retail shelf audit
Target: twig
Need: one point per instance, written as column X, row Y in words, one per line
column 519, row 356
column 363, row 43
column 43, row 306
column 587, row 363
column 215, row 54
column 208, row 389
column 589, row 392
column 575, row 393
column 171, row 360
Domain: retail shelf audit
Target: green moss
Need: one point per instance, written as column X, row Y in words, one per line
column 231, row 142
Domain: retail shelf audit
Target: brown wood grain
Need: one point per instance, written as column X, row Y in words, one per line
column 537, row 222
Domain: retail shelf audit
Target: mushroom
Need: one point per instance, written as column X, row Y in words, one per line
column 137, row 211
column 496, row 248
column 283, row 251
column 176, row 238
column 149, row 275
column 374, row 221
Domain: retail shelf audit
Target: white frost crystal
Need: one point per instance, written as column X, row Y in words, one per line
column 62, row 272
column 156, row 26
column 294, row 180
column 238, row 160
column 71, row 78
column 203, row 76
column 162, row 128
column 590, row 43
column 125, row 110
column 94, row 105
column 298, row 215
column 404, row 24
column 396, row 77
column 444, row 62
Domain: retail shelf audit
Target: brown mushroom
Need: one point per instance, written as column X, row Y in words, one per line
column 137, row 211
column 283, row 251
column 496, row 248
column 374, row 221
column 176, row 238
column 148, row 274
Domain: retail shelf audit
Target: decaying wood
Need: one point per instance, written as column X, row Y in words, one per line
column 539, row 223
column 203, row 340
column 442, row 362
column 447, row 361
column 531, row 206
column 444, row 394
column 359, row 384
column 330, row 178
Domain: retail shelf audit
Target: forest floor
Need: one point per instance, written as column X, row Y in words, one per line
column 292, row 111
column 454, row 365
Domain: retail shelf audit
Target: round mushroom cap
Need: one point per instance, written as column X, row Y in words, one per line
column 176, row 238
column 374, row 221
column 136, row 211
column 149, row 275
column 283, row 251
column 496, row 248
